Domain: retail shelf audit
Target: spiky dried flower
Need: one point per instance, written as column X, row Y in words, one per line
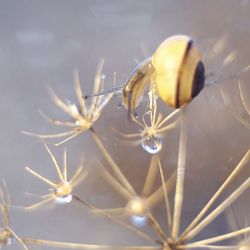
column 83, row 116
column 151, row 133
column 61, row 191
column 6, row 233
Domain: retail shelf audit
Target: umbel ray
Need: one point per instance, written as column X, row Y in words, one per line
column 176, row 237
column 82, row 115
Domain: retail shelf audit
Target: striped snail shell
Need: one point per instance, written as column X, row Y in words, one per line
column 178, row 70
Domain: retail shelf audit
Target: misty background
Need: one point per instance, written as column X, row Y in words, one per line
column 42, row 42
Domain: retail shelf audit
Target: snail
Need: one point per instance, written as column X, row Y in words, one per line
column 175, row 68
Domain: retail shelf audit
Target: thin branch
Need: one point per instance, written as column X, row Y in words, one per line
column 180, row 176
column 218, row 210
column 225, row 184
column 112, row 163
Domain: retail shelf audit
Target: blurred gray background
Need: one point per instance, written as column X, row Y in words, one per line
column 42, row 42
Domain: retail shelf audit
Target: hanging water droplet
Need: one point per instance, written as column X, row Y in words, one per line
column 151, row 144
column 63, row 199
column 138, row 221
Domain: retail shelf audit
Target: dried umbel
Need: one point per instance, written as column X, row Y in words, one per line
column 138, row 205
column 7, row 235
column 186, row 79
column 61, row 191
column 151, row 133
column 172, row 239
column 83, row 116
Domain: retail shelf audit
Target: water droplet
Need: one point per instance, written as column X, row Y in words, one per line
column 138, row 221
column 10, row 241
column 151, row 144
column 63, row 199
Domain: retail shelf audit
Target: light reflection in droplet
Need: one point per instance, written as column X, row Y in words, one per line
column 63, row 199
column 138, row 221
column 151, row 144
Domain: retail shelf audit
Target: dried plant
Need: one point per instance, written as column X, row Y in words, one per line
column 61, row 191
column 138, row 205
column 150, row 135
column 228, row 103
column 7, row 234
column 175, row 240
column 83, row 116
column 237, row 220
column 172, row 239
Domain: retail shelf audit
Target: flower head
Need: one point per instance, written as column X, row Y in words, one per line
column 61, row 191
column 150, row 135
column 83, row 116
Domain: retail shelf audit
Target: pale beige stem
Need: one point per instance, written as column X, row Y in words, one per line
column 167, row 127
column 117, row 212
column 68, row 138
column 62, row 105
column 113, row 219
column 155, row 197
column 79, row 177
column 113, row 165
column 40, row 204
column 150, row 179
column 180, row 176
column 169, row 117
column 218, row 210
column 20, row 241
column 56, row 122
column 50, row 183
column 77, row 173
column 167, row 203
column 65, row 170
column 49, row 136
column 79, row 94
column 219, row 238
column 58, row 170
column 157, row 227
column 68, row 245
column 116, row 185
column 244, row 102
column 97, row 84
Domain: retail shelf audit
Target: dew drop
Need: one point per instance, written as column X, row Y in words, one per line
column 119, row 106
column 151, row 144
column 138, row 221
column 63, row 199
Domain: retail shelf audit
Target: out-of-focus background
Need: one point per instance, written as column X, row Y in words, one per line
column 42, row 42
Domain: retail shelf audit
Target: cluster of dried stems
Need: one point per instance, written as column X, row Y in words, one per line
column 140, row 205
